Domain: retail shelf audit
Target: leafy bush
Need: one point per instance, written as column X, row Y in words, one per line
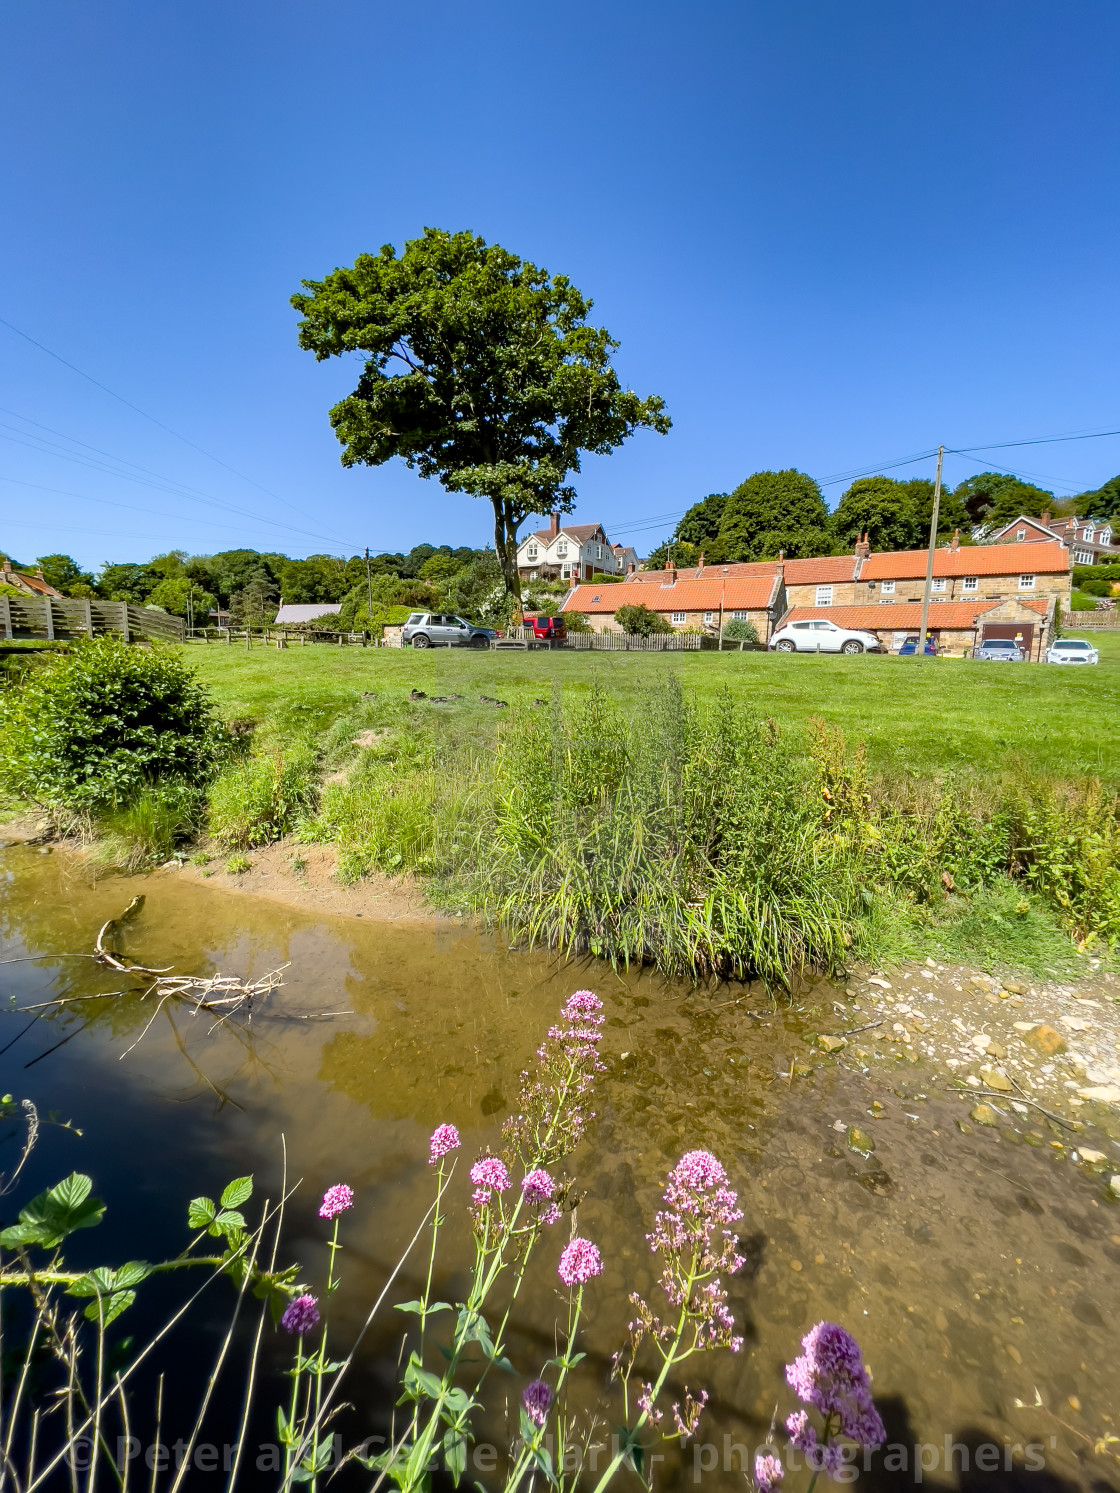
column 740, row 630
column 638, row 619
column 257, row 800
column 577, row 622
column 96, row 726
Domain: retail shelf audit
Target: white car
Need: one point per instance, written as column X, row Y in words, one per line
column 1072, row 651
column 820, row 636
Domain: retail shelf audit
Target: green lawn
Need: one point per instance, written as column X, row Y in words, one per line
column 922, row 715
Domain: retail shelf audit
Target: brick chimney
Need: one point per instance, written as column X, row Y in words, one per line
column 39, row 572
column 700, row 566
column 7, row 566
column 863, row 548
column 956, row 544
column 631, row 569
column 553, row 525
column 1045, row 519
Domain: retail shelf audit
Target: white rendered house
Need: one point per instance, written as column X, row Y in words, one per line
column 574, row 552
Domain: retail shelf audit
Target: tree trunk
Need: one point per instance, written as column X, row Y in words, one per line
column 505, row 547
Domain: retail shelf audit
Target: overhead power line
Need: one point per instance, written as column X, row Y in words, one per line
column 144, row 413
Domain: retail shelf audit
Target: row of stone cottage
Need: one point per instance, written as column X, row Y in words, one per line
column 978, row 592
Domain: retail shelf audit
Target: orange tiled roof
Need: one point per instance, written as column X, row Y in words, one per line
column 735, row 593
column 1038, row 556
column 906, row 615
column 709, row 572
column 36, row 583
column 822, row 570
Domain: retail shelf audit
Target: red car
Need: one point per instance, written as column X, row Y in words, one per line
column 547, row 627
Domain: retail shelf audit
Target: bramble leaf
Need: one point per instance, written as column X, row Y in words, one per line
column 239, row 1191
column 50, row 1217
column 201, row 1213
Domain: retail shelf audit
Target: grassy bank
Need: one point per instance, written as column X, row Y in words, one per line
column 739, row 812
column 917, row 716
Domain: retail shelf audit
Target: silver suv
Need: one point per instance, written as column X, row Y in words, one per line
column 443, row 630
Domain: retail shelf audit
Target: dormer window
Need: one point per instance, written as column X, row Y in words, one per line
column 1105, row 536
column 1020, row 534
column 1087, row 534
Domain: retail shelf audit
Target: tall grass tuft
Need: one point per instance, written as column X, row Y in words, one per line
column 148, row 829
column 260, row 798
column 690, row 837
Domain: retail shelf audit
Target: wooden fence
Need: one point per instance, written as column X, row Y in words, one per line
column 53, row 617
column 1105, row 618
column 657, row 642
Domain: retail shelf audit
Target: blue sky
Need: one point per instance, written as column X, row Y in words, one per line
column 829, row 235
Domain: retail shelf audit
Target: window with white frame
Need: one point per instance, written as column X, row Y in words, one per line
column 938, row 583
column 561, row 551
column 741, row 616
column 709, row 618
column 888, row 588
column 1083, row 557
column 824, row 596
column 970, row 583
column 678, row 619
column 1105, row 536
column 1026, row 583
column 531, row 552
column 1087, row 534
column 598, row 552
column 1020, row 533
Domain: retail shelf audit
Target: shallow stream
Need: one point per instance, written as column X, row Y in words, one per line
column 974, row 1269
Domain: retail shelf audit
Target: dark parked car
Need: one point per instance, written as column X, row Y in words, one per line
column 547, row 627
column 444, row 630
column 910, row 645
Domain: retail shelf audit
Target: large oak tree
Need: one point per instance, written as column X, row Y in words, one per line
column 480, row 370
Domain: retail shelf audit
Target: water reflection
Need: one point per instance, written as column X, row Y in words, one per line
column 972, row 1267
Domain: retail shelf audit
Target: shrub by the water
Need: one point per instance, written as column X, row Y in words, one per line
column 93, row 729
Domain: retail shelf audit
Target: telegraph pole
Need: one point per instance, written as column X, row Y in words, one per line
column 369, row 585
column 929, row 561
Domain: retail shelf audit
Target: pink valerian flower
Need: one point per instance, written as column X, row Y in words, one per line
column 553, row 1102
column 830, row 1375
column 579, row 1262
column 768, row 1472
column 692, row 1232
column 538, row 1186
column 300, row 1315
column 489, row 1174
column 693, row 1409
column 445, row 1139
column 646, row 1406
column 537, row 1399
column 336, row 1200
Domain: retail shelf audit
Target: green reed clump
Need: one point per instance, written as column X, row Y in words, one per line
column 262, row 797
column 690, row 837
column 150, row 828
column 932, row 842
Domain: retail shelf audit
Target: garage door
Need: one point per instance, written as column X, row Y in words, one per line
column 1021, row 632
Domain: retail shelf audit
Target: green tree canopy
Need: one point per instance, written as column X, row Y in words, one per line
column 994, row 498
column 882, row 509
column 132, row 583
column 63, row 573
column 676, row 552
column 1104, row 503
column 701, row 523
column 772, row 511
column 481, row 370
column 172, row 594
